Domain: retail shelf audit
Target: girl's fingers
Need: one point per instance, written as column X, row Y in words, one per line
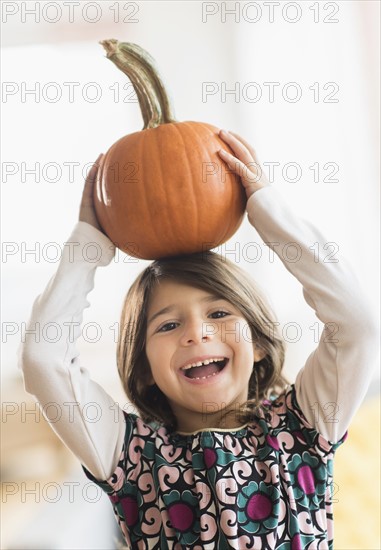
column 239, row 168
column 246, row 144
column 233, row 163
column 244, row 164
column 238, row 147
column 233, row 138
column 87, row 194
column 94, row 168
column 90, row 178
column 249, row 158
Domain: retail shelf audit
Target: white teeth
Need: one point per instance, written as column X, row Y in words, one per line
column 204, row 377
column 200, row 363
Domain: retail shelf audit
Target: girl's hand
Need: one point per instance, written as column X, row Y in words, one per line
column 244, row 163
column 86, row 210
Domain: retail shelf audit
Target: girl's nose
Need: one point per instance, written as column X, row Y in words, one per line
column 194, row 333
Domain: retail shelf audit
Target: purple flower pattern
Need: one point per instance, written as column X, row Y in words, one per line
column 266, row 485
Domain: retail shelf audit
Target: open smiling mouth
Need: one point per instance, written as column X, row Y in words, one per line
column 206, row 371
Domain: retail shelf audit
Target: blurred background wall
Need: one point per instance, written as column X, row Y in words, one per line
column 300, row 81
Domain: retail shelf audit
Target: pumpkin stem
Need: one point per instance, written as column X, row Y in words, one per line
column 141, row 69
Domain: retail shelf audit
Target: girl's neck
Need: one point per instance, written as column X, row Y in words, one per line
column 218, row 421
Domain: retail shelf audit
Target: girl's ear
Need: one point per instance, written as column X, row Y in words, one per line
column 259, row 353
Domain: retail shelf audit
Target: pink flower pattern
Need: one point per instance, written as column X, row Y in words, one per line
column 267, row 485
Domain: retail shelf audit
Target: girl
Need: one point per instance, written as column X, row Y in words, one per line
column 224, row 453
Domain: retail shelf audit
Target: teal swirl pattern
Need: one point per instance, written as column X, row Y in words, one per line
column 267, row 485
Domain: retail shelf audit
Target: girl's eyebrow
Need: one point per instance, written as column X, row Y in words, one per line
column 168, row 309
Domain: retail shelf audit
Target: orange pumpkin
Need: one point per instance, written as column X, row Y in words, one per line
column 164, row 191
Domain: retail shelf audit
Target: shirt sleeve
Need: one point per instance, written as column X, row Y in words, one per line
column 52, row 371
column 333, row 382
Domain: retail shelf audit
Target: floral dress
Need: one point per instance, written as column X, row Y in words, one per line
column 265, row 485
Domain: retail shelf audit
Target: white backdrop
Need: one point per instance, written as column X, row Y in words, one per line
column 323, row 145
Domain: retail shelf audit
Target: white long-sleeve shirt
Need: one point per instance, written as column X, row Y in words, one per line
column 336, row 374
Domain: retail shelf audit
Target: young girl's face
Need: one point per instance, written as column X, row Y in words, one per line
column 186, row 325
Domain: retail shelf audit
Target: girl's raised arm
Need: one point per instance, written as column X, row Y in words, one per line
column 82, row 414
column 333, row 382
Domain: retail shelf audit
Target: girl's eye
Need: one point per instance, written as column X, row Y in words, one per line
column 170, row 326
column 165, row 328
column 223, row 314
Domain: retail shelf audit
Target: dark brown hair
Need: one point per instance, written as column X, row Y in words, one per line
column 210, row 272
